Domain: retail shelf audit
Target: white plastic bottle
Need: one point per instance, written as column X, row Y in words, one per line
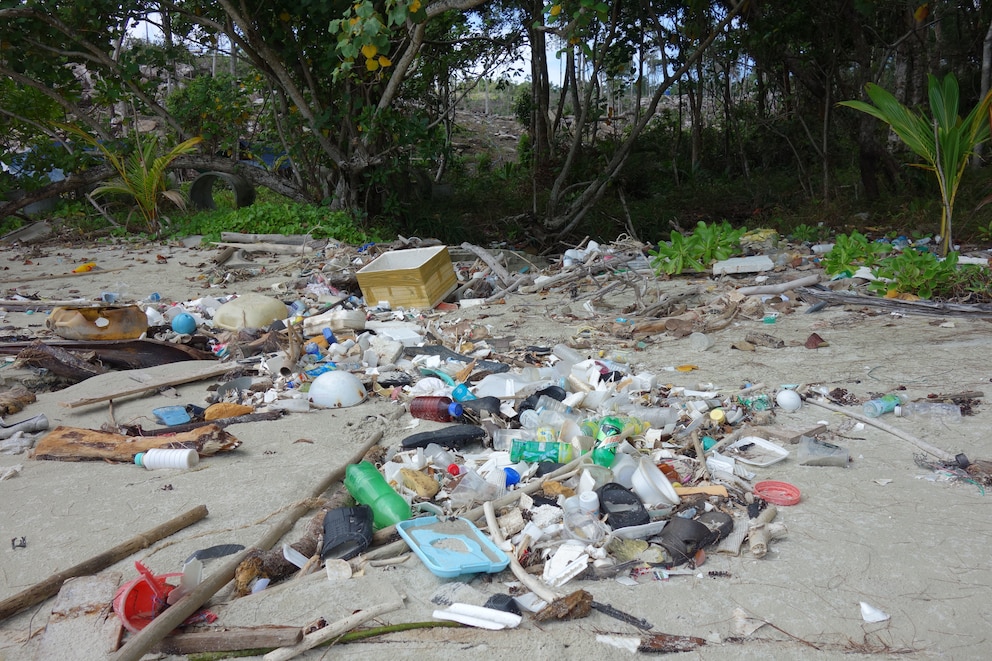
column 167, row 458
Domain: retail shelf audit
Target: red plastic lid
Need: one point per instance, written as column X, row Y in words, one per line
column 777, row 493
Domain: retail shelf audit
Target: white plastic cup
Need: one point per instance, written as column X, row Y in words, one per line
column 700, row 341
column 157, row 458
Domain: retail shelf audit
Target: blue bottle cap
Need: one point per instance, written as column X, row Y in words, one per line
column 512, row 476
column 455, row 410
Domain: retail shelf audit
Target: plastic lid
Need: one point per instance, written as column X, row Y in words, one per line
column 512, row 476
column 455, row 410
column 897, row 411
column 777, row 493
column 139, row 458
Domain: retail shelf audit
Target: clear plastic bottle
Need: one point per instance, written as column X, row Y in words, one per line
column 933, row 411
column 439, row 409
column 567, row 354
column 885, row 404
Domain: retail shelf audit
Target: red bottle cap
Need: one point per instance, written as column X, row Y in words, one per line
column 453, row 469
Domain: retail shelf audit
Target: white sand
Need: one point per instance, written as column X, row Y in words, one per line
column 882, row 531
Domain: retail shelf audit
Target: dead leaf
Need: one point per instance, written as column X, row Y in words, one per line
column 814, row 341
column 570, row 607
column 742, row 345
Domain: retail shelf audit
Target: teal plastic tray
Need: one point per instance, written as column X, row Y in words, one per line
column 451, row 546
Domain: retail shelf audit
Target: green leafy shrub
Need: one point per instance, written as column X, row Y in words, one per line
column 281, row 218
column 923, row 274
column 706, row 244
column 851, row 251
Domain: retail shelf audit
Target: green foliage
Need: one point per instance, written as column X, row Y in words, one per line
column 923, row 274
column 851, row 251
column 944, row 141
column 217, row 109
column 706, row 244
column 279, row 218
column 141, row 173
column 804, row 233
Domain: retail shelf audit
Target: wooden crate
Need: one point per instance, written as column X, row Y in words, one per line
column 416, row 278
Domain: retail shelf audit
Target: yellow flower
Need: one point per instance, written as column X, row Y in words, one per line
column 371, row 64
column 415, row 6
column 384, row 61
column 555, row 10
column 369, row 51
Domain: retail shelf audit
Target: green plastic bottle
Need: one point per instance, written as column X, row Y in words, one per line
column 368, row 487
column 535, row 451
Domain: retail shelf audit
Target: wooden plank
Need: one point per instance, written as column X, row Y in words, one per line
column 711, row 490
column 231, row 639
column 77, row 444
column 82, row 620
column 154, row 384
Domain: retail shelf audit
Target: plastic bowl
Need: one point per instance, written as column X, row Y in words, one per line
column 337, row 390
column 651, row 485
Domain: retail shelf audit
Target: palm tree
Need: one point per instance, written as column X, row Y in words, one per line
column 141, row 174
column 944, row 141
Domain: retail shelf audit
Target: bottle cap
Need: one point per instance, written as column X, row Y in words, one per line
column 512, row 476
column 717, row 415
column 139, row 458
column 897, row 411
column 455, row 410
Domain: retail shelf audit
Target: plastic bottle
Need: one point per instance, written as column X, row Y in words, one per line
column 933, row 411
column 461, row 393
column 157, row 458
column 567, row 354
column 439, row 409
column 368, row 487
column 536, row 451
column 884, row 404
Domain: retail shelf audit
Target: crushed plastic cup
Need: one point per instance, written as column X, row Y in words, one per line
column 700, row 341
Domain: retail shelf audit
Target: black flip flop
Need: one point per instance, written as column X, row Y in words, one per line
column 624, row 508
column 347, row 532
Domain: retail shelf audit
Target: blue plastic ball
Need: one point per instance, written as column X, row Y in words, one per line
column 184, row 324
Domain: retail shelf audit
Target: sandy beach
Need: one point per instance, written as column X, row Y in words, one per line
column 884, row 530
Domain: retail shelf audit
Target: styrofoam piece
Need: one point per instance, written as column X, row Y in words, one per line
column 479, row 616
column 568, row 561
column 752, row 264
column 530, row 602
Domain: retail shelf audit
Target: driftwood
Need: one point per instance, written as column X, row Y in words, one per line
column 780, row 287
column 492, row 262
column 222, row 422
column 274, row 248
column 75, row 444
column 173, row 616
column 122, row 354
column 231, row 639
column 285, row 239
column 14, row 399
column 58, row 361
column 51, row 585
column 927, row 308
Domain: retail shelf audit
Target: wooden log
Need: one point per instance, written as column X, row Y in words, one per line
column 209, row 372
column 274, row 248
column 77, row 444
column 58, row 361
column 157, row 629
column 286, row 239
column 230, row 639
column 51, row 585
